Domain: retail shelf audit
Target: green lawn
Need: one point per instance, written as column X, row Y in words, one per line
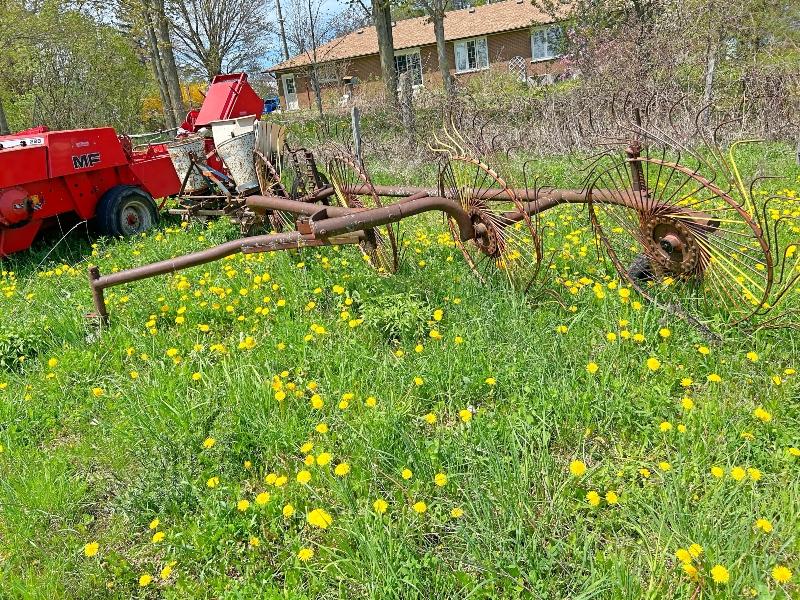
column 422, row 434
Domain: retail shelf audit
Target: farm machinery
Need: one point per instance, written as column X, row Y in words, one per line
column 48, row 177
column 679, row 226
column 91, row 173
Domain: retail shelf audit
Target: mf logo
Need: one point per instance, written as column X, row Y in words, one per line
column 84, row 161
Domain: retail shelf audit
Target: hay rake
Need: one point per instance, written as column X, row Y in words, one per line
column 679, row 225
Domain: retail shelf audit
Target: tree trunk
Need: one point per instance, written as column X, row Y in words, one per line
column 168, row 62
column 4, row 130
column 158, row 71
column 282, row 30
column 317, row 90
column 441, row 51
column 382, row 17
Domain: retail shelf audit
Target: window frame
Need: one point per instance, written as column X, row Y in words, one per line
column 545, row 28
column 407, row 52
column 464, row 42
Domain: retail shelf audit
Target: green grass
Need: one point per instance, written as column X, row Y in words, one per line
column 92, row 454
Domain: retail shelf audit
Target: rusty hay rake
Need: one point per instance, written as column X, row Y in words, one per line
column 679, row 224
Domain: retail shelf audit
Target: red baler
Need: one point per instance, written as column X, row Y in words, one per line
column 92, row 173
column 95, row 174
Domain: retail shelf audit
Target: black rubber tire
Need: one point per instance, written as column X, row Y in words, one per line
column 125, row 210
column 641, row 269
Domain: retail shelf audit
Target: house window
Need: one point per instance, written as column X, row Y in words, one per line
column 546, row 43
column 408, row 61
column 472, row 55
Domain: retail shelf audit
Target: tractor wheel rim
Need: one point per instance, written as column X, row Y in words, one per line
column 135, row 218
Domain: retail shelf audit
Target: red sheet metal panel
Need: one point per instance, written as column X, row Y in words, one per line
column 83, row 150
column 229, row 96
column 22, row 164
column 155, row 174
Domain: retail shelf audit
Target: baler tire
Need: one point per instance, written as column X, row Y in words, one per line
column 124, row 211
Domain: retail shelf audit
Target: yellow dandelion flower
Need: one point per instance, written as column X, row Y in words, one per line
column 720, row 574
column 242, row 505
column 465, row 415
column 763, row 525
column 380, row 506
column 262, row 498
column 288, row 511
column 342, row 469
column 209, row 443
column 319, row 518
column 430, row 418
column 593, row 498
column 420, row 507
column 781, row 574
column 738, row 473
column 718, row 472
column 305, row 554
column 690, row 570
column 440, row 479
column 145, row 579
column 303, row 477
column 612, row 497
column 592, row 368
column 91, row 549
column 762, row 415
column 577, row 468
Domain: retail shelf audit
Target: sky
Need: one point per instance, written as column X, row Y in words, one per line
column 329, row 7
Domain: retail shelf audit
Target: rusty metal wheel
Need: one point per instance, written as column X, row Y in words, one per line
column 269, row 182
column 506, row 244
column 353, row 189
column 707, row 255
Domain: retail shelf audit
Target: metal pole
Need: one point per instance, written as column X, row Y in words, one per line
column 355, row 117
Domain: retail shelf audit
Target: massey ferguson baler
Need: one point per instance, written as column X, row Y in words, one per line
column 95, row 174
column 91, row 173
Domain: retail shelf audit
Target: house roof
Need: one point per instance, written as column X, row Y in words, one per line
column 418, row 31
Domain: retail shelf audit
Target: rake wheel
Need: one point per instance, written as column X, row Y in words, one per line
column 506, row 243
column 353, row 189
column 269, row 181
column 677, row 236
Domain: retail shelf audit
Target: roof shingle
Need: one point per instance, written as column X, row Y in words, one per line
column 418, row 31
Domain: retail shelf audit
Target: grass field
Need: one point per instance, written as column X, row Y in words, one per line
column 295, row 425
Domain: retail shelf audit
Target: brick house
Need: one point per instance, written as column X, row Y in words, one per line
column 511, row 34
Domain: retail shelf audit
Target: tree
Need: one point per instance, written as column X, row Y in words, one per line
column 65, row 69
column 436, row 9
column 220, row 36
column 309, row 28
column 382, row 19
column 4, row 130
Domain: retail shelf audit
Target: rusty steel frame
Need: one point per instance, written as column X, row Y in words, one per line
column 333, row 225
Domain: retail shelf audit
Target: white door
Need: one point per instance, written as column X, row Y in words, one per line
column 290, row 92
